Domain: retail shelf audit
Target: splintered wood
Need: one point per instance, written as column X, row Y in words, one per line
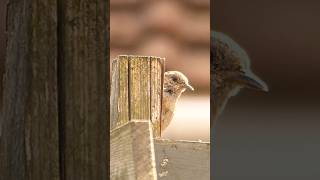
column 136, row 90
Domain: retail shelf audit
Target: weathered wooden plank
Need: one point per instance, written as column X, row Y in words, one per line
column 120, row 91
column 182, row 160
column 139, row 87
column 157, row 67
column 29, row 126
column 124, row 90
column 114, row 97
column 136, row 90
column 3, row 13
column 83, row 77
column 132, row 152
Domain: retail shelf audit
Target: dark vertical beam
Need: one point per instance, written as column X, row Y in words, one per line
column 3, row 12
column 83, row 86
column 29, row 128
column 56, row 100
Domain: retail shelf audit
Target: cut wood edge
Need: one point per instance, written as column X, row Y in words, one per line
column 132, row 151
column 182, row 159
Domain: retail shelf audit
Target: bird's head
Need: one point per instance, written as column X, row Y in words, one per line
column 231, row 64
column 230, row 70
column 176, row 81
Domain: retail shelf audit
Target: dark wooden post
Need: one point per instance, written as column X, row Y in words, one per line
column 83, row 80
column 55, row 109
column 29, row 127
column 2, row 46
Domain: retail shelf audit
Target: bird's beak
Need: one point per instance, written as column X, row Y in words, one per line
column 188, row 86
column 251, row 81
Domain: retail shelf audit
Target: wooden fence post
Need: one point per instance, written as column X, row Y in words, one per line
column 83, row 83
column 132, row 152
column 136, row 90
column 3, row 12
column 135, row 102
column 136, row 93
column 29, row 141
column 55, row 110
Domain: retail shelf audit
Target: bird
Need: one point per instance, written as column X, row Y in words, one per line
column 230, row 71
column 174, row 84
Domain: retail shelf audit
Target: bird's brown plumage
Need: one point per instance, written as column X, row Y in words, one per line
column 175, row 83
column 230, row 71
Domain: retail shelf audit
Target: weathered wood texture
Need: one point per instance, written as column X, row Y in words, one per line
column 182, row 160
column 29, row 128
column 136, row 90
column 3, row 13
column 156, row 80
column 132, row 152
column 83, row 81
column 55, row 112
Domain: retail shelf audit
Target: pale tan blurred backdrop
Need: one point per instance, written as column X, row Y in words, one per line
column 179, row 31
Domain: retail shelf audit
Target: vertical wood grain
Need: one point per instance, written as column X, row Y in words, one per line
column 139, row 83
column 156, row 93
column 83, row 89
column 123, row 105
column 137, row 90
column 119, row 92
column 29, row 147
column 54, row 123
column 114, row 98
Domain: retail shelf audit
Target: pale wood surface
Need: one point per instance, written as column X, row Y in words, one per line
column 132, row 152
column 136, row 90
column 119, row 102
column 123, row 103
column 157, row 69
column 114, row 96
column 182, row 160
column 139, row 83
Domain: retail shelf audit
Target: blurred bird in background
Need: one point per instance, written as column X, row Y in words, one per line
column 230, row 71
column 175, row 83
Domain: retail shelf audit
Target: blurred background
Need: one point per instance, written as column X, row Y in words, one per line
column 178, row 31
column 275, row 135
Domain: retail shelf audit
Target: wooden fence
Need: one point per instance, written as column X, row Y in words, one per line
column 54, row 119
column 137, row 152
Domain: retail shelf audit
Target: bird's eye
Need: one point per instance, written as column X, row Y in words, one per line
column 174, row 79
column 169, row 91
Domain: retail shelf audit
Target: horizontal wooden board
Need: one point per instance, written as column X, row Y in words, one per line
column 132, row 152
column 187, row 160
